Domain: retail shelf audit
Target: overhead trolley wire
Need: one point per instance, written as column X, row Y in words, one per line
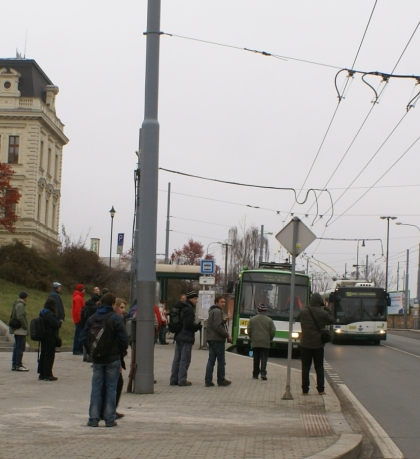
column 335, row 111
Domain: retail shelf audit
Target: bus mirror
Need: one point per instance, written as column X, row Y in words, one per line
column 388, row 300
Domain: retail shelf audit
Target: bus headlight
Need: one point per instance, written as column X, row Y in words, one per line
column 382, row 332
column 295, row 335
column 337, row 330
column 243, row 331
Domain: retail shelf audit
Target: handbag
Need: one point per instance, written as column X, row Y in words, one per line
column 325, row 334
column 14, row 323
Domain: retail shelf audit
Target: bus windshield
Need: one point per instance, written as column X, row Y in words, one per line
column 355, row 309
column 275, row 296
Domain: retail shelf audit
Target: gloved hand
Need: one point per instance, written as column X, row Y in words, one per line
column 199, row 326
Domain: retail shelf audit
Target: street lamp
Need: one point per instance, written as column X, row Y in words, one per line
column 418, row 266
column 112, row 212
column 357, row 258
column 262, row 244
column 387, row 249
column 207, row 252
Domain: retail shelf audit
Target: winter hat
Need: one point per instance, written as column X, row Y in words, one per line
column 56, row 285
column 191, row 295
column 23, row 295
column 262, row 308
column 95, row 298
column 80, row 287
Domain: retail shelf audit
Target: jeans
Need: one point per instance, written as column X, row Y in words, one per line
column 108, row 374
column 18, row 350
column 181, row 362
column 77, row 342
column 162, row 334
column 216, row 351
column 260, row 361
column 306, row 356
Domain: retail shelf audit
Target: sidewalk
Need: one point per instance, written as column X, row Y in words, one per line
column 247, row 420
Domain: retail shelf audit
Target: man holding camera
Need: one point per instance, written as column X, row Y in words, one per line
column 216, row 337
column 184, row 341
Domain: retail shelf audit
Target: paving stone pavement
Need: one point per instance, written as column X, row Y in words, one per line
column 247, row 420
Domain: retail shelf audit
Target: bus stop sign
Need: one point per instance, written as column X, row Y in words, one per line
column 304, row 237
column 207, row 266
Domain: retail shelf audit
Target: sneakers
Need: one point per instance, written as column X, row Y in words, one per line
column 255, row 377
column 119, row 415
column 305, row 393
column 41, row 378
column 225, row 382
column 92, row 424
column 20, row 368
column 50, row 378
column 173, row 383
column 209, row 384
column 321, row 393
column 185, row 383
column 111, row 424
column 264, row 378
column 13, row 368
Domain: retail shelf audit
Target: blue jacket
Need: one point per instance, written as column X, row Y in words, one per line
column 120, row 338
column 60, row 307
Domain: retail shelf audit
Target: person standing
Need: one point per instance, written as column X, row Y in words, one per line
column 164, row 317
column 76, row 312
column 106, row 369
column 184, row 341
column 46, row 360
column 261, row 331
column 311, row 346
column 88, row 310
column 20, row 332
column 55, row 294
column 216, row 337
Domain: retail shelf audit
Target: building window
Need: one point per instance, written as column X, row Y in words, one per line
column 49, row 161
column 56, row 168
column 46, row 211
column 13, row 149
column 41, row 155
column 38, row 215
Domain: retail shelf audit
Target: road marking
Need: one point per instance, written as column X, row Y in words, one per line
column 404, row 352
column 388, row 448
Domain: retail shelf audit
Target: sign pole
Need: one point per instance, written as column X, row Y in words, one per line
column 288, row 394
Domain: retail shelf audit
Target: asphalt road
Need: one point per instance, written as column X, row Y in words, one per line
column 385, row 379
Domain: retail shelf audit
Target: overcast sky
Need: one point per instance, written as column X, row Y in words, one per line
column 234, row 115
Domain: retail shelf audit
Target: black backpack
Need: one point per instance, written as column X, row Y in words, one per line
column 37, row 329
column 87, row 311
column 100, row 338
column 175, row 320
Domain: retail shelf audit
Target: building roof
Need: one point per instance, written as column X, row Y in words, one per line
column 33, row 80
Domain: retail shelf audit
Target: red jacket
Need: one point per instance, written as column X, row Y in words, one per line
column 77, row 305
column 158, row 319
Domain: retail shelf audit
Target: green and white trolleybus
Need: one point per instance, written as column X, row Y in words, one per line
column 270, row 285
column 360, row 311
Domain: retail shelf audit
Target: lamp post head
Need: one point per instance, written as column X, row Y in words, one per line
column 388, row 218
column 112, row 212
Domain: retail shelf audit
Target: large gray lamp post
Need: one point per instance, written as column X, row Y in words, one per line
column 387, row 249
column 112, row 212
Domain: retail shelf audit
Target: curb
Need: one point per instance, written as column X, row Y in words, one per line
column 347, row 447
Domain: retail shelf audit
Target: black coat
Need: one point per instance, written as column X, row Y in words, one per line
column 60, row 307
column 52, row 325
column 189, row 327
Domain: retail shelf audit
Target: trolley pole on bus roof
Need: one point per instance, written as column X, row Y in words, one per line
column 294, row 237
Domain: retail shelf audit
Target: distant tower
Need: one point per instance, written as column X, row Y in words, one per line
column 31, row 141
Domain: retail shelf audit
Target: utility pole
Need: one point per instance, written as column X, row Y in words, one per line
column 168, row 225
column 406, row 290
column 146, row 217
column 226, row 264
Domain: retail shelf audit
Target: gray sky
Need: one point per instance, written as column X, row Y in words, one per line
column 234, row 115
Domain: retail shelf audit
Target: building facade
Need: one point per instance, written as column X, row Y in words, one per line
column 31, row 141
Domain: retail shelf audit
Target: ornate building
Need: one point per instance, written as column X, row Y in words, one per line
column 31, row 141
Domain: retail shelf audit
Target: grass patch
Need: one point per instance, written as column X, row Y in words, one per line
column 9, row 292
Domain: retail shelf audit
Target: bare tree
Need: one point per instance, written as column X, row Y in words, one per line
column 377, row 275
column 321, row 282
column 245, row 250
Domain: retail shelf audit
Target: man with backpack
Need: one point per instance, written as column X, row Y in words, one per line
column 184, row 340
column 88, row 310
column 18, row 326
column 106, row 341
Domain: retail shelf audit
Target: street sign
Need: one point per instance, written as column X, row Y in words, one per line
column 304, row 237
column 120, row 243
column 207, row 280
column 207, row 266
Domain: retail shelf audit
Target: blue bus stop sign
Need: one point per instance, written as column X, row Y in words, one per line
column 207, row 266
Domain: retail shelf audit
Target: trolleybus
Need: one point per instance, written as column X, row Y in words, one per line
column 360, row 311
column 269, row 285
